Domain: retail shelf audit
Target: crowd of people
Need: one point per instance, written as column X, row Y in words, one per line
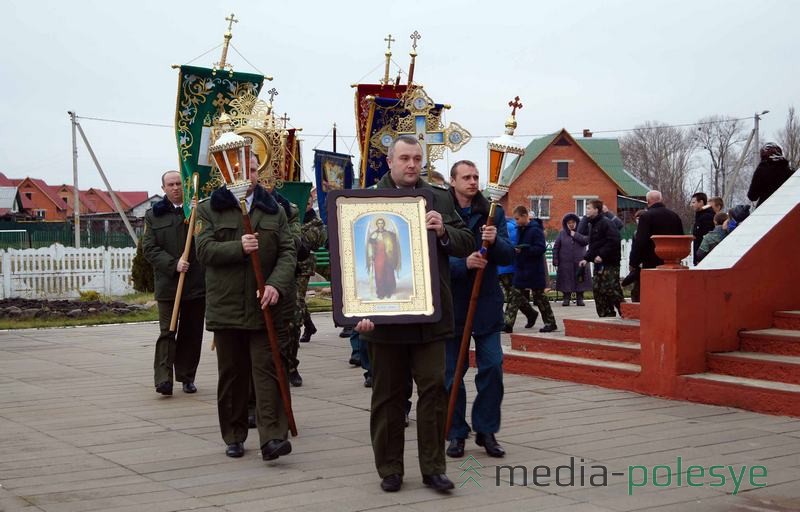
column 220, row 290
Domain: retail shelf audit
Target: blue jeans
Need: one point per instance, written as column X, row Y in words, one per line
column 488, row 382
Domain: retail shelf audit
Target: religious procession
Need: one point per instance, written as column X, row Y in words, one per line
column 647, row 326
column 415, row 258
column 234, row 243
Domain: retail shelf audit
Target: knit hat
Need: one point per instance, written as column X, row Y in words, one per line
column 740, row 212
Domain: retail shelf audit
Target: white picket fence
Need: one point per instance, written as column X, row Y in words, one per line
column 59, row 272
column 623, row 266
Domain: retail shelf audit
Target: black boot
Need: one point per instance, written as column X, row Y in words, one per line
column 579, row 299
column 309, row 329
column 531, row 319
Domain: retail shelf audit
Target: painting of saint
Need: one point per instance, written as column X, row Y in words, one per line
column 332, row 176
column 383, row 261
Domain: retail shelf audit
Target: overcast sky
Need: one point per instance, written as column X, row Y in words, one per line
column 607, row 65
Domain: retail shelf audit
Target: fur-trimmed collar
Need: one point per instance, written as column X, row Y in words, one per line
column 287, row 206
column 163, row 207
column 223, row 199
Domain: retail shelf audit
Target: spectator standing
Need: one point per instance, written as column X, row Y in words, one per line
column 770, row 174
column 568, row 251
column 703, row 220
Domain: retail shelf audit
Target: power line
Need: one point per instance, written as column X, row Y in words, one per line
column 119, row 121
column 623, row 130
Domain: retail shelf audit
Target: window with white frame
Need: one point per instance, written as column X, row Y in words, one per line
column 540, row 206
column 580, row 204
column 40, row 214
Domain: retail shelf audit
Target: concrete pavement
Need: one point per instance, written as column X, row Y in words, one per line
column 81, row 428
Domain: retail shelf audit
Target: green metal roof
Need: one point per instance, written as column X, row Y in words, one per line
column 608, row 156
column 532, row 152
column 605, row 152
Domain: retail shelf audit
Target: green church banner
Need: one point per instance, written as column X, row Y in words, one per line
column 203, row 95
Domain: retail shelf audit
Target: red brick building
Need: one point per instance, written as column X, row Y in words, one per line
column 559, row 174
column 55, row 202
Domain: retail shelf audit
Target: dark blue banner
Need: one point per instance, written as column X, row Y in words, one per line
column 333, row 171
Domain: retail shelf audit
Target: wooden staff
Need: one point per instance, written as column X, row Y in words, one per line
column 272, row 334
column 187, row 247
column 467, row 335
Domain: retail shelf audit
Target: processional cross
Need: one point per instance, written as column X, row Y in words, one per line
column 433, row 142
column 231, row 19
column 516, row 104
column 285, row 118
column 389, row 39
column 416, row 37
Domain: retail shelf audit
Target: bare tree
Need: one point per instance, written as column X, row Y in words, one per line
column 721, row 138
column 661, row 157
column 789, row 139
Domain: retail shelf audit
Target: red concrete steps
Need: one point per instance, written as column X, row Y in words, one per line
column 771, row 341
column 630, row 310
column 613, row 329
column 756, row 365
column 604, row 350
column 786, row 320
column 751, row 394
column 609, row 374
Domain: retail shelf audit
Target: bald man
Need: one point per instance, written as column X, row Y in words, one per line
column 657, row 220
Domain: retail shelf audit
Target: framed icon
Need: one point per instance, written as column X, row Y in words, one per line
column 383, row 259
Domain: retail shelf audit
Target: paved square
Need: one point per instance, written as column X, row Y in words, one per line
column 81, row 428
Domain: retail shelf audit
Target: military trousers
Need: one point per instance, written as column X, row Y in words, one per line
column 243, row 356
column 177, row 354
column 607, row 291
column 520, row 301
column 517, row 301
column 391, row 364
column 488, row 383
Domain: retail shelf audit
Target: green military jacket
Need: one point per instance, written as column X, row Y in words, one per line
column 461, row 243
column 162, row 245
column 231, row 301
column 314, row 235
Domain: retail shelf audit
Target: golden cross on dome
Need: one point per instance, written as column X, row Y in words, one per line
column 516, row 104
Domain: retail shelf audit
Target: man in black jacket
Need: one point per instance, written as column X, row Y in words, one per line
column 605, row 252
column 770, row 174
column 703, row 220
column 657, row 220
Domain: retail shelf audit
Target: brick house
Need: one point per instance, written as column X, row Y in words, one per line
column 559, row 174
column 40, row 200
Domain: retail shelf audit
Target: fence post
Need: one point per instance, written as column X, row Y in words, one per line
column 106, row 271
column 6, row 274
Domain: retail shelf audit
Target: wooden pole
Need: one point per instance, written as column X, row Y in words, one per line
column 467, row 334
column 187, row 247
column 272, row 334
